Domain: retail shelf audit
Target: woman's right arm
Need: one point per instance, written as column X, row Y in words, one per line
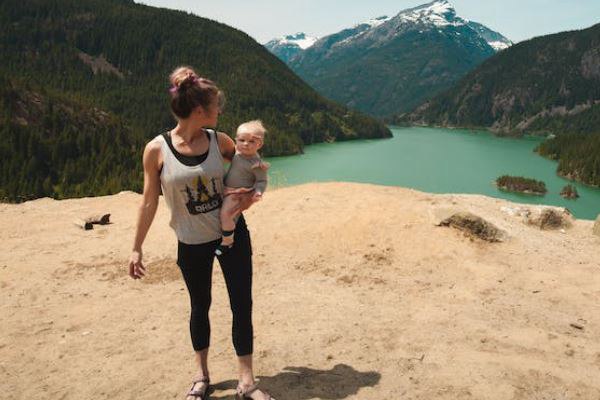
column 147, row 210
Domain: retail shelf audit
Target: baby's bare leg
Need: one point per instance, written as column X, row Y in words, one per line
column 228, row 212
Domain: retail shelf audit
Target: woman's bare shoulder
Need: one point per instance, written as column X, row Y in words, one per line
column 154, row 144
column 153, row 153
column 226, row 145
column 223, row 137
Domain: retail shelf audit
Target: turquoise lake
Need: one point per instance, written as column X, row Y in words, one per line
column 438, row 161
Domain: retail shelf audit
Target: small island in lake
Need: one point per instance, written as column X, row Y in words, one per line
column 569, row 192
column 521, row 185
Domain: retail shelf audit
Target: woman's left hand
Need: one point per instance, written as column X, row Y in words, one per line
column 246, row 200
column 257, row 196
column 227, row 191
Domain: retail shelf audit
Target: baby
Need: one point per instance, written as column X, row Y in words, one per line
column 245, row 180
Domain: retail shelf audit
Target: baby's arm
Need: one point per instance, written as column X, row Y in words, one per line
column 260, row 177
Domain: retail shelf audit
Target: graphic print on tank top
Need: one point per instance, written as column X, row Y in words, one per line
column 203, row 197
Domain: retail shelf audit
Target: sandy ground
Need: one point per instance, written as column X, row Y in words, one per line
column 357, row 295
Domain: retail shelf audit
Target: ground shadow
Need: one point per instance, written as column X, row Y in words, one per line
column 303, row 383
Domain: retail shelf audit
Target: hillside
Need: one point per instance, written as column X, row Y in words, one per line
column 366, row 299
column 578, row 156
column 113, row 57
column 537, row 86
column 54, row 146
column 549, row 84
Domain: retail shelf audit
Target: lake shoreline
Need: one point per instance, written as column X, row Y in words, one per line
column 436, row 161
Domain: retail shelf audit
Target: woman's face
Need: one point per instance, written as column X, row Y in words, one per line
column 213, row 115
column 207, row 117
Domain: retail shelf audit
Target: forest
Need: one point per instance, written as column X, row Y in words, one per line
column 84, row 87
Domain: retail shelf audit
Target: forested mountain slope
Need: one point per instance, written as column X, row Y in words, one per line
column 112, row 57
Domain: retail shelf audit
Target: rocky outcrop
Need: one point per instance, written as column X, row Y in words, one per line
column 99, row 64
column 551, row 218
column 544, row 217
column 474, row 226
column 590, row 63
column 569, row 192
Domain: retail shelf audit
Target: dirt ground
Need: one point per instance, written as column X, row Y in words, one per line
column 357, row 295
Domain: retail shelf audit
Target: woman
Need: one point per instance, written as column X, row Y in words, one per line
column 187, row 164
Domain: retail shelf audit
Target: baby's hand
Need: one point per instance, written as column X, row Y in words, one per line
column 262, row 165
column 257, row 196
column 229, row 190
column 246, row 201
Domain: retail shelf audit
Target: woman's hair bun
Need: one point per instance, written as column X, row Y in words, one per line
column 183, row 77
column 188, row 91
column 187, row 82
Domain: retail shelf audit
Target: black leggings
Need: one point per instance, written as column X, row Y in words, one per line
column 195, row 262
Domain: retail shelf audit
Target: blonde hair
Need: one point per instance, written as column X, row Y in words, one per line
column 255, row 127
column 180, row 74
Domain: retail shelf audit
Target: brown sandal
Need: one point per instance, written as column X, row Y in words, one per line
column 201, row 394
column 245, row 394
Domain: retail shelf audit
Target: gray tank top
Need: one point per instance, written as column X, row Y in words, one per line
column 194, row 194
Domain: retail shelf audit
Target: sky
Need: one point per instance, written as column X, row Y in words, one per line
column 267, row 19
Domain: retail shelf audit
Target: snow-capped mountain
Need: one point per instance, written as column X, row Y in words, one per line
column 376, row 21
column 300, row 39
column 438, row 14
column 390, row 64
column 494, row 39
column 289, row 46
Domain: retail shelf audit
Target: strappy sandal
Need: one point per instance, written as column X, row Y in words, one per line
column 224, row 248
column 245, row 394
column 201, row 394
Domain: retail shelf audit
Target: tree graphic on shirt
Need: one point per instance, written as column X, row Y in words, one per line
column 201, row 200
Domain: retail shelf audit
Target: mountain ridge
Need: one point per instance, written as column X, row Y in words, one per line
column 570, row 83
column 400, row 69
column 493, row 38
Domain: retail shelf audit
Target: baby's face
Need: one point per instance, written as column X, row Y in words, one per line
column 247, row 143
